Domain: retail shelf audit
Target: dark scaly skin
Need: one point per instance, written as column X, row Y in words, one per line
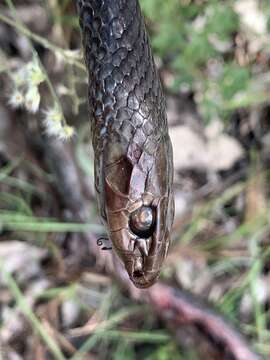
column 133, row 153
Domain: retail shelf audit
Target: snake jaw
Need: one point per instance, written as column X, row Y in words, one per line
column 144, row 280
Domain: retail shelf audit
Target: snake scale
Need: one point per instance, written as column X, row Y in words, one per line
column 133, row 153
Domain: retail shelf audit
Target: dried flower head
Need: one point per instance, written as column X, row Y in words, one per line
column 32, row 99
column 35, row 75
column 16, row 99
column 26, row 93
column 55, row 124
column 53, row 120
column 19, row 77
column 67, row 133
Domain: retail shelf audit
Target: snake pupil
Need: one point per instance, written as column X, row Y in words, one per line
column 142, row 221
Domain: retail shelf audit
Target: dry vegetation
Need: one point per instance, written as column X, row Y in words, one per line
column 58, row 297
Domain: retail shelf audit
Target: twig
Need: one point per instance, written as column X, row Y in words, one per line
column 186, row 309
column 28, row 313
column 42, row 41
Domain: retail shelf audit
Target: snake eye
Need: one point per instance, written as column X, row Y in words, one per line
column 142, row 221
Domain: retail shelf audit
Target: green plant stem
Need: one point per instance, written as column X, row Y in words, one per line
column 28, row 313
column 32, row 224
column 135, row 336
column 102, row 328
column 42, row 41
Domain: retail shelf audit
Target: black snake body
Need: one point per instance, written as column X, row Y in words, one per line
column 133, row 154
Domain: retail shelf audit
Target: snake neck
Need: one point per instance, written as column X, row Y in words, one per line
column 122, row 76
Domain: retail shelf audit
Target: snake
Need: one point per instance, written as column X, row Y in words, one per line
column 133, row 157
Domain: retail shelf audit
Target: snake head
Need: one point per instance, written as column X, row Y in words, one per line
column 139, row 211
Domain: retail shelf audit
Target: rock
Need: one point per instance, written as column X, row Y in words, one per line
column 188, row 147
column 261, row 294
column 70, row 313
column 219, row 152
column 223, row 152
column 11, row 355
column 253, row 22
column 13, row 325
column 251, row 16
column 21, row 259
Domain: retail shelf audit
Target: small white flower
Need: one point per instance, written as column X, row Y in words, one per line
column 53, row 114
column 53, row 128
column 53, row 121
column 16, row 99
column 35, row 74
column 32, row 99
column 19, row 76
column 67, row 133
column 55, row 124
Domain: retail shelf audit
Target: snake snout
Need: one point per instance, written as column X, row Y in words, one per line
column 140, row 275
column 142, row 279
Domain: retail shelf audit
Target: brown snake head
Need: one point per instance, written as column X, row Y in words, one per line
column 139, row 210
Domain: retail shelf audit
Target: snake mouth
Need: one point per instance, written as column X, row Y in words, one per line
column 140, row 276
column 143, row 279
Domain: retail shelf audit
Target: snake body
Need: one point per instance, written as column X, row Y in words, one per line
column 133, row 153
